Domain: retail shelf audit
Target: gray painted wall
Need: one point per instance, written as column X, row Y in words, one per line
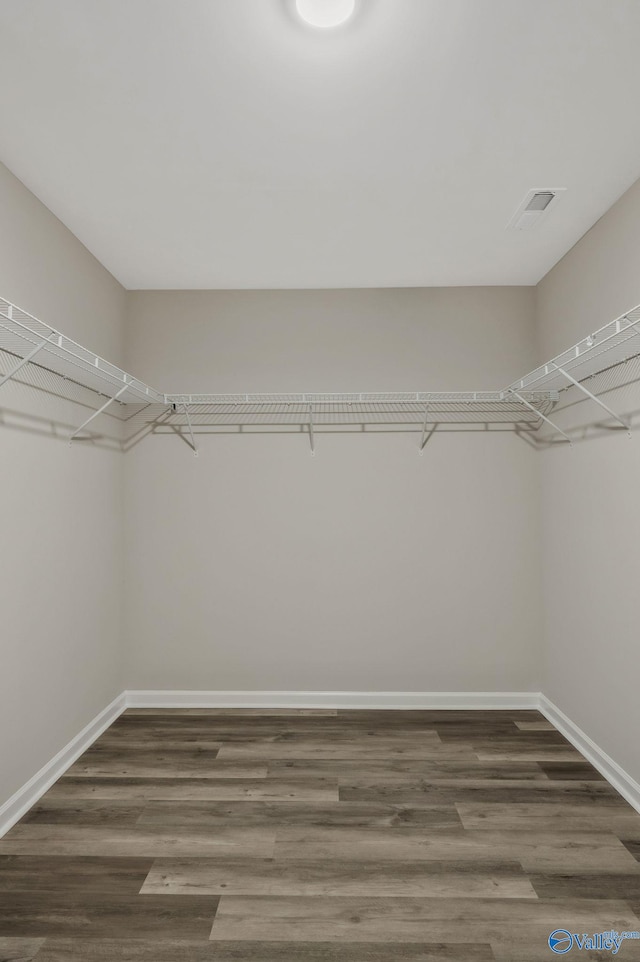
column 367, row 567
column 591, row 509
column 60, row 511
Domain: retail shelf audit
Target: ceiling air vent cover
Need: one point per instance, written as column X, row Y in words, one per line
column 537, row 203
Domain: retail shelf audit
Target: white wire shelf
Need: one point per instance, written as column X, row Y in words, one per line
column 361, row 399
column 24, row 336
column 502, row 411
column 36, row 354
column 616, row 342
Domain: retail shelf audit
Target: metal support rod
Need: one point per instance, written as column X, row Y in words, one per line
column 24, row 361
column 423, row 439
column 99, row 411
column 584, row 390
column 630, row 324
column 193, row 440
column 543, row 416
column 311, row 434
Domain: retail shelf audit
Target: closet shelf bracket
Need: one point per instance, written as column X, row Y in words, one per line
column 95, row 414
column 312, row 439
column 25, row 360
column 581, row 387
column 541, row 415
column 193, row 440
column 425, row 437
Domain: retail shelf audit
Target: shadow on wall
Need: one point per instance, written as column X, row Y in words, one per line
column 43, row 403
column 110, row 436
column 583, row 419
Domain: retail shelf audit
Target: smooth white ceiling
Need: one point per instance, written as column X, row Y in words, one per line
column 223, row 144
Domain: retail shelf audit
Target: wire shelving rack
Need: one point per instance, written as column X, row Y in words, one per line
column 30, row 345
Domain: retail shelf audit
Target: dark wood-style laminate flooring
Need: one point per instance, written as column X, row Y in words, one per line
column 321, row 836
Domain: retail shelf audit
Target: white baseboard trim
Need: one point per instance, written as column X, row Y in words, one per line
column 20, row 803
column 614, row 774
column 398, row 700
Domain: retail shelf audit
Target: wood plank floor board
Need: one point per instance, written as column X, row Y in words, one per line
column 537, row 950
column 544, row 789
column 247, row 728
column 563, row 771
column 421, row 746
column 345, row 919
column 244, row 730
column 610, row 814
column 414, row 791
column 534, row 726
column 159, row 768
column 633, row 846
column 322, row 789
column 292, row 813
column 108, row 875
column 557, row 852
column 554, row 753
column 96, row 916
column 308, row 730
column 203, row 835
column 312, row 877
column 548, row 861
column 212, row 737
column 140, row 842
column 19, row 950
column 594, row 885
column 514, row 738
column 139, row 764
column 265, row 731
column 141, row 743
column 136, row 743
column 460, row 768
column 59, row 950
column 85, row 811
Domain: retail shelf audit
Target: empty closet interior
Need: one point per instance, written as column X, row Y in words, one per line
column 319, row 432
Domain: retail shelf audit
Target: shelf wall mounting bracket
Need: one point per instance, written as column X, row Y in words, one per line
column 25, row 360
column 581, row 387
column 193, row 440
column 312, row 439
column 95, row 414
column 541, row 415
column 424, row 438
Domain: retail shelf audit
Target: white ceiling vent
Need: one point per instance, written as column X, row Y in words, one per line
column 536, row 205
